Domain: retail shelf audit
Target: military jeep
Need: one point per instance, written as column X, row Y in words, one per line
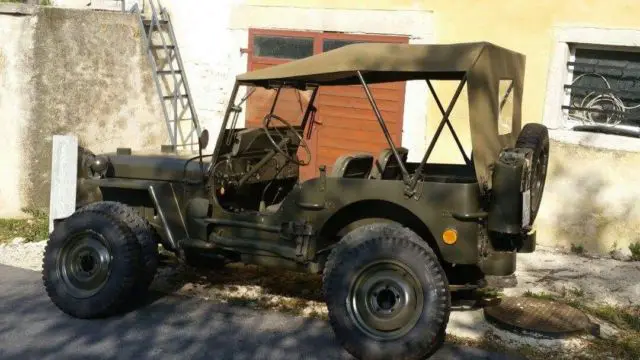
column 392, row 238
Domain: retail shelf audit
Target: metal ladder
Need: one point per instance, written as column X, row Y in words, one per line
column 170, row 78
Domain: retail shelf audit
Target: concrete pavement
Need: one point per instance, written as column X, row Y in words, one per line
column 169, row 327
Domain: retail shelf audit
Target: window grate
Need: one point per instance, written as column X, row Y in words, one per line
column 604, row 94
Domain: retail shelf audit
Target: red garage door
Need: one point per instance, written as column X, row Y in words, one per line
column 345, row 122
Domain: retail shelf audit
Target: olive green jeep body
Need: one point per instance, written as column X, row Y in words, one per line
column 243, row 202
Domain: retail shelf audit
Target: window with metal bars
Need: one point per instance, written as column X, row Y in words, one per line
column 603, row 91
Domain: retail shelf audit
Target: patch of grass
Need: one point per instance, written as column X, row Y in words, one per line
column 577, row 249
column 490, row 342
column 626, row 345
column 627, row 317
column 540, row 295
column 42, row 2
column 577, row 292
column 35, row 228
column 635, row 251
column 490, row 292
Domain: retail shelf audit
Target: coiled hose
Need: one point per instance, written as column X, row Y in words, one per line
column 601, row 102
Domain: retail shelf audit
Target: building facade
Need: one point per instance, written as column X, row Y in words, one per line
column 582, row 81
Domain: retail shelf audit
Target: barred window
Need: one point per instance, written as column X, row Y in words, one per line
column 603, row 92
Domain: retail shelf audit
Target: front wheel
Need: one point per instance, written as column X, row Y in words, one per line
column 90, row 265
column 387, row 294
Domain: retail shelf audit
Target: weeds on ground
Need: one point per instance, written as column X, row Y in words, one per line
column 41, row 2
column 490, row 342
column 35, row 228
column 577, row 249
column 627, row 319
column 635, row 251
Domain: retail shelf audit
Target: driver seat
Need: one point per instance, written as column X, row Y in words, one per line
column 354, row 166
column 387, row 167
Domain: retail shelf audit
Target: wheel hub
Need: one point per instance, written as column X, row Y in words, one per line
column 84, row 264
column 385, row 300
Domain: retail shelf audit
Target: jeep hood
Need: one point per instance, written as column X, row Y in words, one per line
column 153, row 167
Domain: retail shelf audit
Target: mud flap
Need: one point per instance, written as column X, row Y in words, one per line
column 64, row 172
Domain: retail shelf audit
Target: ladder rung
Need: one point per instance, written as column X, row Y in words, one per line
column 164, row 72
column 148, row 22
column 170, row 97
column 171, row 47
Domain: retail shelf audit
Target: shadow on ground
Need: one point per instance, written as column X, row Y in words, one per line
column 165, row 327
column 273, row 281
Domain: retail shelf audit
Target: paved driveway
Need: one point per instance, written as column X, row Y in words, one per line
column 170, row 327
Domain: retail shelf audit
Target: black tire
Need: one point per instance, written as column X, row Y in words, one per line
column 536, row 137
column 401, row 251
column 90, row 242
column 146, row 235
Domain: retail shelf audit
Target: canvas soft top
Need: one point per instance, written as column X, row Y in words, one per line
column 478, row 65
column 383, row 62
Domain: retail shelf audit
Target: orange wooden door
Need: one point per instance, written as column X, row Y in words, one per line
column 345, row 121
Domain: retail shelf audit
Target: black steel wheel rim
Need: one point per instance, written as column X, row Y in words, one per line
column 84, row 264
column 385, row 300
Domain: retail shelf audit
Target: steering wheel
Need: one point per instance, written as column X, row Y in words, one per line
column 278, row 147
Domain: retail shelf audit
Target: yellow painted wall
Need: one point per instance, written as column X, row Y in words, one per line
column 525, row 26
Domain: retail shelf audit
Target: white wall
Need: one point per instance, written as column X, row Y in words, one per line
column 210, row 53
column 16, row 33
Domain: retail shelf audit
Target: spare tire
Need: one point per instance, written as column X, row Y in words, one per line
column 536, row 137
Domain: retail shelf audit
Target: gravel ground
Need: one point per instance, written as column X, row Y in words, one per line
column 26, row 255
column 594, row 280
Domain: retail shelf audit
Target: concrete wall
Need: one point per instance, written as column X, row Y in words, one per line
column 16, row 45
column 75, row 72
column 591, row 198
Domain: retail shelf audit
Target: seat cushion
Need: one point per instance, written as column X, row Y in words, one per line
column 386, row 166
column 353, row 166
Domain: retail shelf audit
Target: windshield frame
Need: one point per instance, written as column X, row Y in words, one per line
column 234, row 109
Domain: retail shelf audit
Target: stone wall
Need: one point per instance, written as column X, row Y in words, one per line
column 77, row 72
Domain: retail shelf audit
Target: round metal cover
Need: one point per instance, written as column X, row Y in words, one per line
column 545, row 317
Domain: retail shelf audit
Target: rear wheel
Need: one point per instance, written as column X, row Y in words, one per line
column 536, row 137
column 90, row 265
column 386, row 293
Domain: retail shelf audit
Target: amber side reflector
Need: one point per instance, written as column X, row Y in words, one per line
column 450, row 236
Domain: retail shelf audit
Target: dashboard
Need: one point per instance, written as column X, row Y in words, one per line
column 243, row 150
column 247, row 148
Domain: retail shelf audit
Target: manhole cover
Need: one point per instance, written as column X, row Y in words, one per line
column 545, row 317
